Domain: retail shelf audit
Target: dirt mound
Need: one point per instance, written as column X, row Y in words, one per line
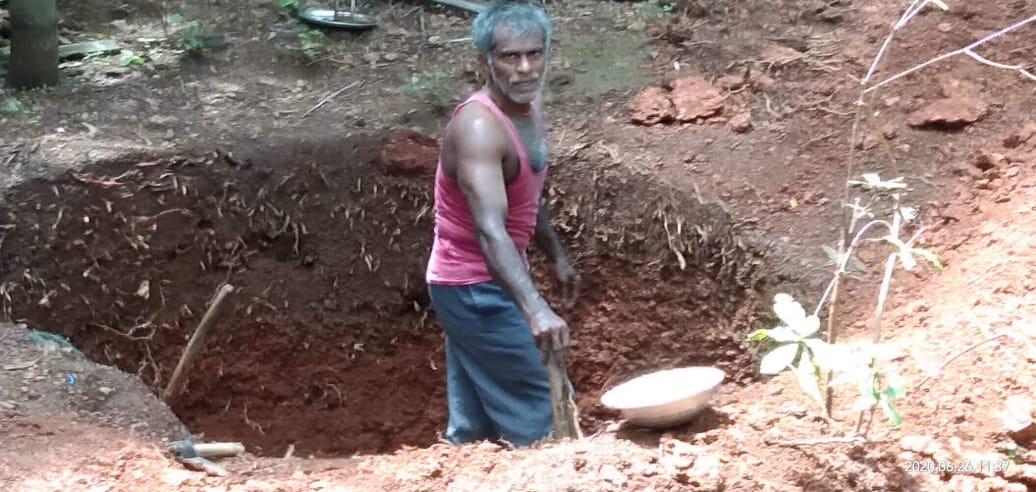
column 42, row 374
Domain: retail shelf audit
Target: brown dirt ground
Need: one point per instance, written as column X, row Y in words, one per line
column 131, row 193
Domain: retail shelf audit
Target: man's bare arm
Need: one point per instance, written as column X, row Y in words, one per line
column 480, row 175
column 546, row 238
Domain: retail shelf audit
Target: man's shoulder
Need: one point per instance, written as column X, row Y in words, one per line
column 475, row 121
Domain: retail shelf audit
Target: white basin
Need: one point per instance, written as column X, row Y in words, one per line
column 665, row 398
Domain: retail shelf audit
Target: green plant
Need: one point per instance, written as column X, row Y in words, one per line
column 313, row 43
column 654, row 9
column 191, row 38
column 876, row 389
column 11, row 105
column 434, row 88
column 128, row 57
column 309, row 44
column 798, row 341
column 798, row 336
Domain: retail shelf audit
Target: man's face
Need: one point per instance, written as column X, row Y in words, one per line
column 518, row 65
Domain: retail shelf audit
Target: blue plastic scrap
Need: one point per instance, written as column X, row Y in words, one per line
column 53, row 340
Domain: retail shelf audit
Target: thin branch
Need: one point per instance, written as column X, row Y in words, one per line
column 890, row 266
column 332, row 96
column 962, row 352
column 964, row 50
column 989, row 62
column 881, row 53
column 845, row 260
column 910, row 14
column 820, row 441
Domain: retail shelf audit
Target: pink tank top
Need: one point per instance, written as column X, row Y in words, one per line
column 456, row 257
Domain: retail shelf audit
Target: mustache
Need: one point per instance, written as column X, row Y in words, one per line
column 531, row 80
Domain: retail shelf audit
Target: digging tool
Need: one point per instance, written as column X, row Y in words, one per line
column 196, row 455
column 196, row 342
column 476, row 7
column 566, row 415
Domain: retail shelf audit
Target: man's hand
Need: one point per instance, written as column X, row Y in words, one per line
column 569, row 280
column 550, row 331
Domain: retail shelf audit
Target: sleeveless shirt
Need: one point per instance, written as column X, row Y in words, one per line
column 456, row 257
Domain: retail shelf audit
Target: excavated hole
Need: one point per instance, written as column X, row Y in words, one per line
column 328, row 345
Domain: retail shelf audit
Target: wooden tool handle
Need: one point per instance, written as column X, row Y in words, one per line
column 195, row 344
column 218, row 449
column 566, row 415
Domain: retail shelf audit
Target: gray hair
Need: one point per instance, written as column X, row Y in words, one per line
column 517, row 19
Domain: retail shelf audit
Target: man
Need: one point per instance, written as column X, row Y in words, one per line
column 488, row 185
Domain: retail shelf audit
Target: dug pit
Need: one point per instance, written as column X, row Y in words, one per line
column 329, row 345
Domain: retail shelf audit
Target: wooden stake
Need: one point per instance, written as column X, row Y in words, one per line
column 197, row 340
column 566, row 415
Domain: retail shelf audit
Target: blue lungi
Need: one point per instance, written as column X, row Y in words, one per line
column 496, row 384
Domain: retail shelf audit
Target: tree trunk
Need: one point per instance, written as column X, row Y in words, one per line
column 34, row 43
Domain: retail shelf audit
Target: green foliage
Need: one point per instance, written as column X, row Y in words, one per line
column 13, row 106
column 192, row 38
column 288, row 4
column 797, row 339
column 128, row 57
column 313, row 43
column 655, row 8
column 798, row 345
column 434, row 88
column 309, row 44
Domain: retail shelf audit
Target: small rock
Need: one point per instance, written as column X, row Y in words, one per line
column 1017, row 139
column 989, row 160
column 889, row 132
column 652, row 106
column 794, row 409
column 741, row 123
column 761, row 81
column 944, row 27
column 175, row 477
column 1019, row 419
column 578, row 463
column 705, row 474
column 695, row 98
column 775, row 53
column 915, row 443
column 409, row 153
column 105, row 390
column 1024, row 473
column 160, row 120
column 950, row 112
column 611, row 474
column 731, row 82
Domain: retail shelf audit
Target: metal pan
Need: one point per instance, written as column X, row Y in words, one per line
column 341, row 18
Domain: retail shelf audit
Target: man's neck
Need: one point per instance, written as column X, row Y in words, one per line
column 506, row 105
